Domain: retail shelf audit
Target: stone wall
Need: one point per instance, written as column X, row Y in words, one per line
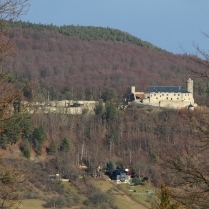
column 62, row 107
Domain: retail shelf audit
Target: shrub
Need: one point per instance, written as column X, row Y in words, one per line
column 39, row 136
column 110, row 168
column 32, row 195
column 52, row 148
column 101, row 198
column 65, row 146
column 55, row 202
column 137, row 181
column 25, row 148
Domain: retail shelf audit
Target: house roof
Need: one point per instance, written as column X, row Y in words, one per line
column 169, row 89
column 119, row 172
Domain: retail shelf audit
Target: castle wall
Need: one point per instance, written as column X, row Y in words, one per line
column 165, row 96
column 174, row 104
column 176, row 99
column 62, row 107
column 188, row 97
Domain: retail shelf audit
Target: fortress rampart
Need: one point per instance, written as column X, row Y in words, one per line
column 63, row 107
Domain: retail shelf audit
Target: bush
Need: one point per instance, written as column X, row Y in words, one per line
column 39, row 136
column 145, row 179
column 102, row 199
column 110, row 167
column 25, row 148
column 56, row 202
column 65, row 146
column 52, row 148
column 138, row 181
column 32, row 195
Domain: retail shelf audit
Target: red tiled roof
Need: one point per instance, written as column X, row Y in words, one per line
column 141, row 96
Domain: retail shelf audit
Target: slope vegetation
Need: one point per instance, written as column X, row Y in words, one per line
column 65, row 65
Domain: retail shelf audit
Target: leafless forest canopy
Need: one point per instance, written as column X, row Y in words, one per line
column 59, row 63
column 77, row 67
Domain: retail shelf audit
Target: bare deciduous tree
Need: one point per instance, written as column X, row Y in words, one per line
column 186, row 164
column 9, row 178
column 13, row 9
column 164, row 200
column 9, row 192
column 10, row 10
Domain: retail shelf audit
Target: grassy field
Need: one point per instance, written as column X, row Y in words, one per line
column 139, row 192
column 37, row 204
column 70, row 189
column 124, row 202
column 126, row 195
column 32, row 204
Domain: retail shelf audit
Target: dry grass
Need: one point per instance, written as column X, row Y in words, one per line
column 104, row 186
column 37, row 204
column 70, row 188
column 138, row 192
column 123, row 196
column 124, row 202
column 32, row 204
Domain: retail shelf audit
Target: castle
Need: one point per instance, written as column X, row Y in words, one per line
column 166, row 96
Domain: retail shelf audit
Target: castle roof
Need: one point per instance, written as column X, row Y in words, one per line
column 169, row 89
column 140, row 95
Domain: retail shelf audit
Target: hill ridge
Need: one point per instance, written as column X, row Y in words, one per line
column 89, row 33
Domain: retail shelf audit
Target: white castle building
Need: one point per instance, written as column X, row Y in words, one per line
column 166, row 96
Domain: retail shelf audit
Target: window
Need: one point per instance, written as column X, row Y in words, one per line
column 174, row 94
column 154, row 94
column 162, row 94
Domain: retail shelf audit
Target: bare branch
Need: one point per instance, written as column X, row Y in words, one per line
column 13, row 9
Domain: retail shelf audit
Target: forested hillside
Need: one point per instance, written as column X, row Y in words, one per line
column 87, row 63
column 74, row 67
column 87, row 33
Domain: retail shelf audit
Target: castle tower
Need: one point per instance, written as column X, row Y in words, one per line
column 133, row 89
column 190, row 85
